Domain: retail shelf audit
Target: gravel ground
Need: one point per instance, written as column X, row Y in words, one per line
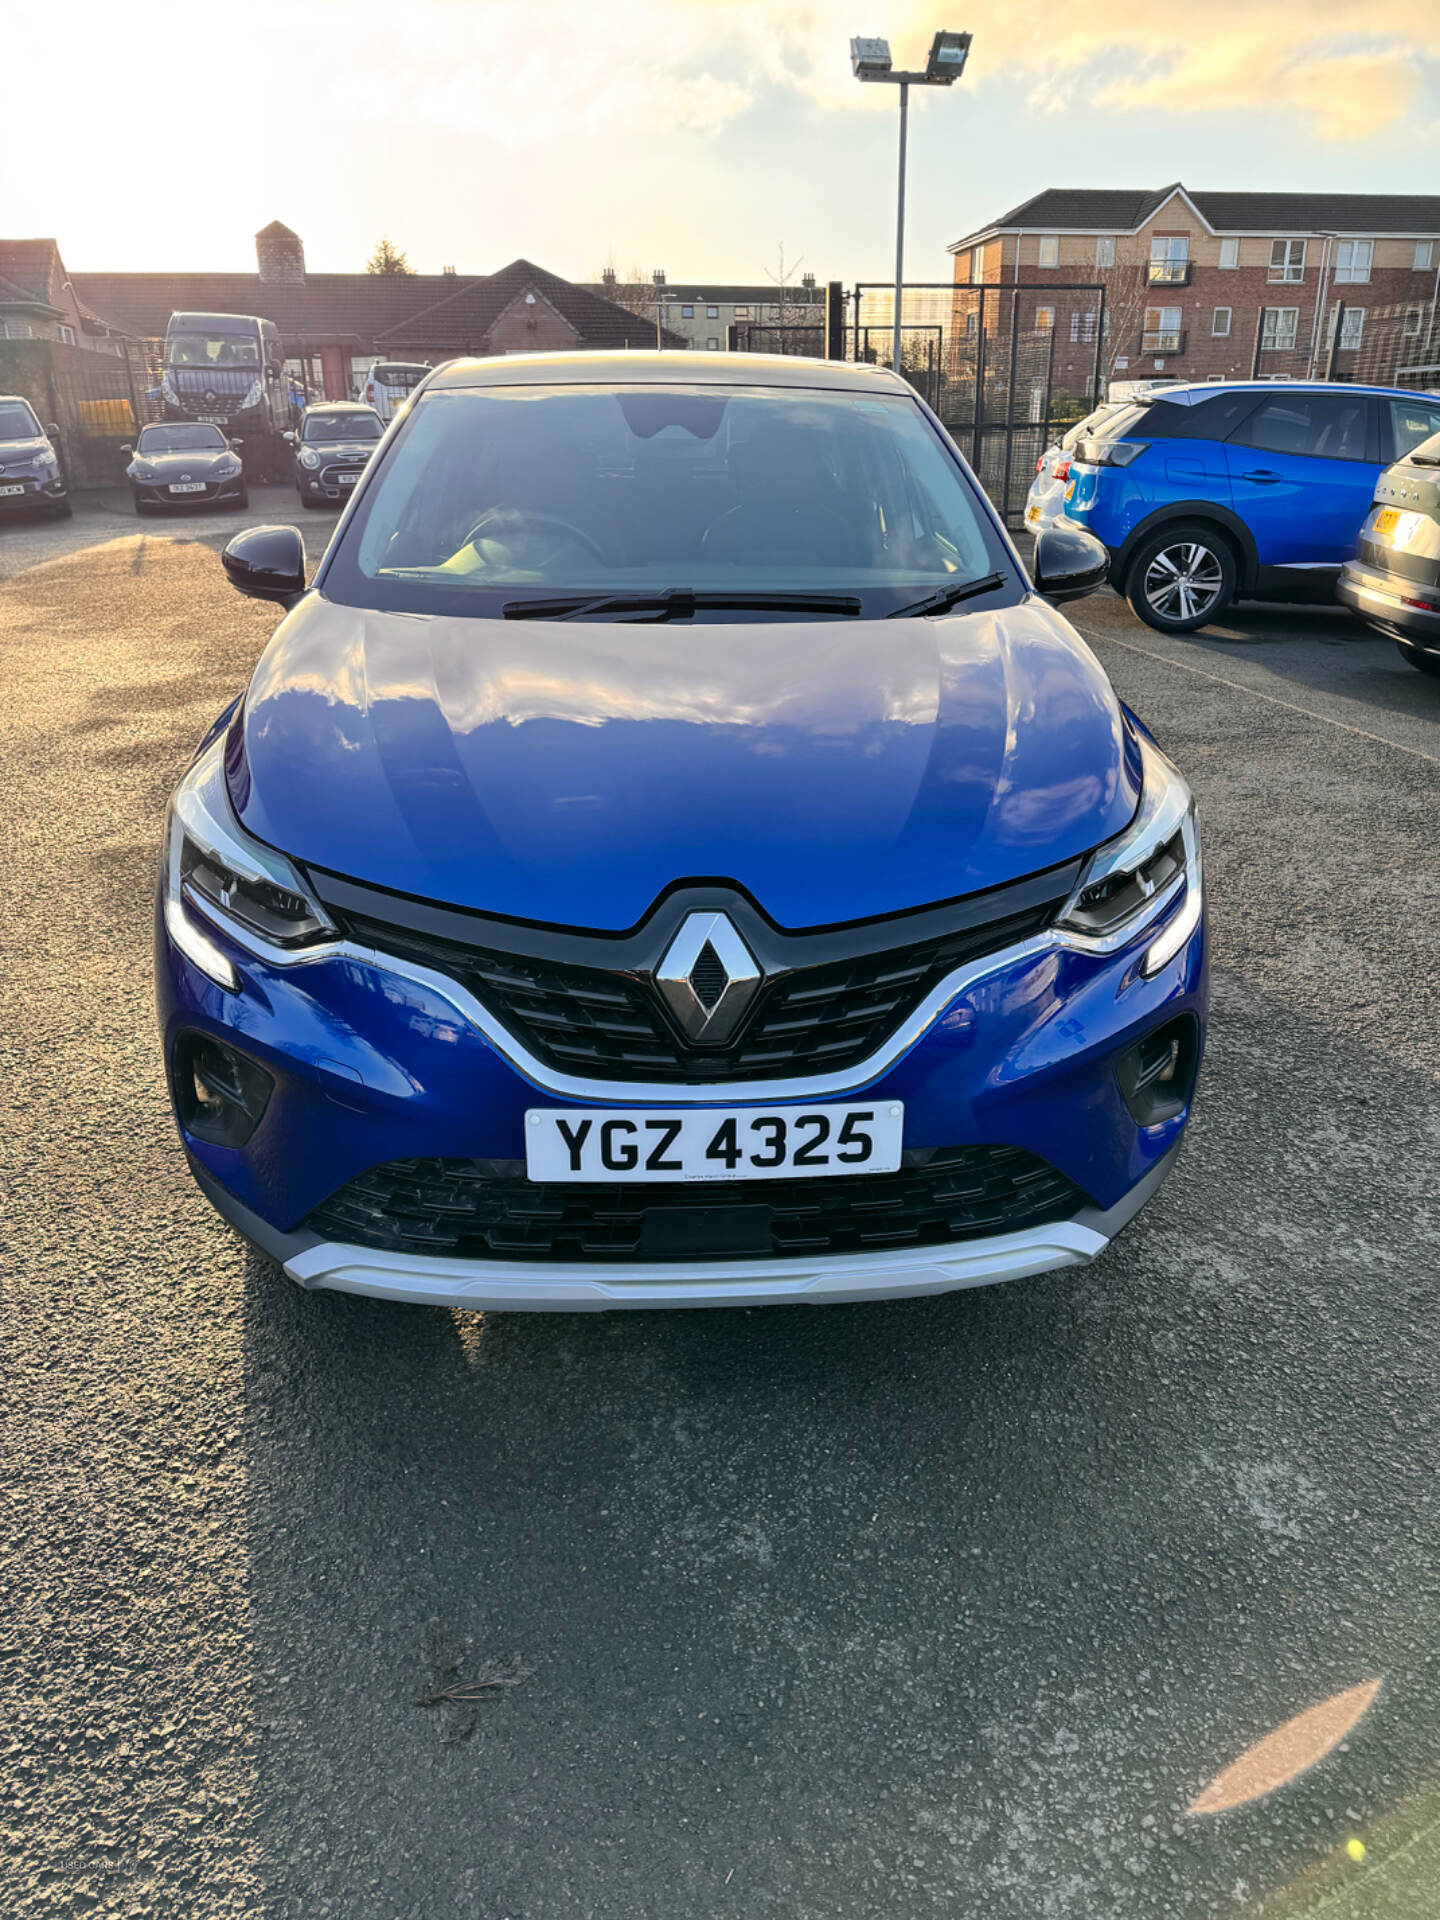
column 940, row 1608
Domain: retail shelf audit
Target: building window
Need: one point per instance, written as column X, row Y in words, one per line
column 14, row 329
column 1412, row 320
column 1169, row 259
column 1424, row 255
column 972, row 324
column 713, row 344
column 1105, row 250
column 1277, row 330
column 1082, row 325
column 1162, row 330
column 1352, row 262
column 1220, row 322
column 687, row 313
column 1352, row 326
column 1049, row 255
column 1287, row 260
column 67, row 336
column 1044, row 319
column 1229, row 253
column 712, row 313
column 743, row 313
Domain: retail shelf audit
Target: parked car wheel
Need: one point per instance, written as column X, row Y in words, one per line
column 1424, row 662
column 62, row 511
column 142, row 506
column 242, row 499
column 1181, row 577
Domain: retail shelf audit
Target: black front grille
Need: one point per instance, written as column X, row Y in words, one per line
column 488, row 1210
column 330, row 476
column 611, row 1025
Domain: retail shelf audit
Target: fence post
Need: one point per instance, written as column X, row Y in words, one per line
column 1259, row 334
column 834, row 320
column 1010, row 400
column 980, row 383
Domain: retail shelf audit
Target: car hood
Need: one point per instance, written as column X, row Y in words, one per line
column 341, row 449
column 570, row 772
column 170, row 465
column 23, row 453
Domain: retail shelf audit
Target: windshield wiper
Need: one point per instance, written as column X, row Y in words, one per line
column 946, row 597
column 678, row 603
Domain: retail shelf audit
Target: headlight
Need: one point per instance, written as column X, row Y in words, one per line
column 1134, row 880
column 226, row 469
column 309, row 457
column 142, row 473
column 255, row 393
column 215, row 872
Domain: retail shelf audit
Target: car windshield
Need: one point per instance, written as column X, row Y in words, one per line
column 494, row 494
column 181, row 440
column 17, row 422
column 403, row 379
column 333, row 427
column 212, row 350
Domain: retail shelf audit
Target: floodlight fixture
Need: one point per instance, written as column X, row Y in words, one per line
column 946, row 62
column 870, row 59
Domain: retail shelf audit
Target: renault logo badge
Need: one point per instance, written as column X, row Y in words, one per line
column 708, row 979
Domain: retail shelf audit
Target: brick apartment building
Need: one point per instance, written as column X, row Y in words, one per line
column 1203, row 286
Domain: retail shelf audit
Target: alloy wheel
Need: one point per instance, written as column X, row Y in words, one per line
column 1185, row 581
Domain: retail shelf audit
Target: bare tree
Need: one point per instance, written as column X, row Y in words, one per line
column 1128, row 294
column 788, row 310
column 634, row 290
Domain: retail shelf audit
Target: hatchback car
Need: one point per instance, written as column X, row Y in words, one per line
column 180, row 463
column 1395, row 582
column 334, row 440
column 30, row 473
column 1209, row 494
column 670, row 854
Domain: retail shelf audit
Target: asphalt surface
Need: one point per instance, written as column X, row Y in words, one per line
column 937, row 1608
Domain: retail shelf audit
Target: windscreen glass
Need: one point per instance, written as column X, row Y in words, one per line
column 212, row 350
column 181, row 439
column 17, row 422
column 322, row 428
column 400, row 379
column 488, row 495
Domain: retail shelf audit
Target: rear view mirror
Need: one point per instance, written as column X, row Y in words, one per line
column 1069, row 563
column 267, row 563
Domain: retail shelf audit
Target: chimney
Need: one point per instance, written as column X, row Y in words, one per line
column 608, row 277
column 808, row 280
column 280, row 256
column 658, row 276
column 449, row 272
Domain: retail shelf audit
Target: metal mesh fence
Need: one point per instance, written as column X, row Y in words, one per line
column 1007, row 368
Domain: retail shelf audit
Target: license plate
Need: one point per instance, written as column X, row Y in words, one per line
column 213, row 419
column 347, row 479
column 187, row 486
column 12, row 489
column 618, row 1144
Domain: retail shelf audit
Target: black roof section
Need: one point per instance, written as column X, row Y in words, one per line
column 1123, row 209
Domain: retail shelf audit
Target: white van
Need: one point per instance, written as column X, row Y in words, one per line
column 390, row 384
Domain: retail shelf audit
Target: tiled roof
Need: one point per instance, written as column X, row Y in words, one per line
column 436, row 312
column 698, row 292
column 1123, row 209
column 34, row 270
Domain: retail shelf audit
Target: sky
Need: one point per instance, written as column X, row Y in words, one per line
column 697, row 136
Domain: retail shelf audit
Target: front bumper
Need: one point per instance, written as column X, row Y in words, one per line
column 36, row 493
column 156, row 493
column 374, row 1064
column 1388, row 601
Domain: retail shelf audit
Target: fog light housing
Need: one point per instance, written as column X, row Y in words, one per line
column 1157, row 1074
column 220, row 1094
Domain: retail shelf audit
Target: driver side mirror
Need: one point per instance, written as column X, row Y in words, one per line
column 267, row 563
column 288, row 438
column 127, row 448
column 237, row 442
column 1068, row 564
column 52, row 429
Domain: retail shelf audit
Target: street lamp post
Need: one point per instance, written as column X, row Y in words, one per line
column 870, row 60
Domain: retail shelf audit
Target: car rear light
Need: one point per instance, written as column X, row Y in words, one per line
column 1062, row 469
column 1425, row 606
column 1110, row 453
column 369, row 393
column 1040, row 464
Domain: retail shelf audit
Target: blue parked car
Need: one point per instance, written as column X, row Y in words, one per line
column 671, row 855
column 1209, row 494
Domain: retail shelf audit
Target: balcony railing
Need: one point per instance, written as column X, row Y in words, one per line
column 1169, row 273
column 1162, row 342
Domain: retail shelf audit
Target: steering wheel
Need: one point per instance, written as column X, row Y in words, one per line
column 515, row 521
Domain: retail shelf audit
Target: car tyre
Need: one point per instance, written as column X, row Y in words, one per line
column 242, row 499
column 1422, row 662
column 143, row 507
column 62, row 510
column 1181, row 576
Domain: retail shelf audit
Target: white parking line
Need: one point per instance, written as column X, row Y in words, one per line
column 1110, row 640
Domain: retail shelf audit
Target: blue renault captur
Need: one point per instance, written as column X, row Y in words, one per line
column 1204, row 495
column 670, row 854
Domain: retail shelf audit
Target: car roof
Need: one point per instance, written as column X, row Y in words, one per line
column 659, row 368
column 18, row 396
column 1192, row 395
column 339, row 406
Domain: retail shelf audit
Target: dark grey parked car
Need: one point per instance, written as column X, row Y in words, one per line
column 182, row 463
column 30, row 474
column 335, row 440
column 1395, row 582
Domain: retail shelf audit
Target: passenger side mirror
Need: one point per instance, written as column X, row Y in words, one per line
column 127, row 448
column 1068, row 564
column 288, row 438
column 237, row 442
column 267, row 563
column 52, row 429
